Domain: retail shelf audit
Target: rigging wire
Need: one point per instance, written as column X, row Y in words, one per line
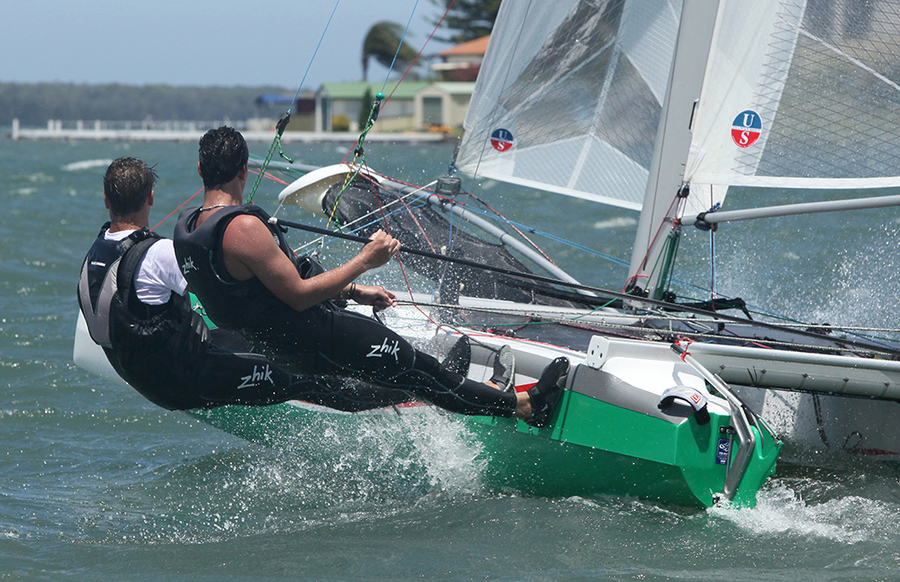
column 359, row 153
column 399, row 45
column 648, row 303
column 422, row 192
column 283, row 121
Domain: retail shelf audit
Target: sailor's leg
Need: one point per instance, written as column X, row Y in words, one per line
column 239, row 376
column 364, row 348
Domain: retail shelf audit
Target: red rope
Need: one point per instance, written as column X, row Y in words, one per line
column 177, row 209
column 427, row 40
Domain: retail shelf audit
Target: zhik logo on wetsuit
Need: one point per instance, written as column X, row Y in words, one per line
column 385, row 348
column 188, row 265
column 254, row 379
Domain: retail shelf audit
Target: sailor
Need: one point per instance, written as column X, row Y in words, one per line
column 133, row 298
column 250, row 281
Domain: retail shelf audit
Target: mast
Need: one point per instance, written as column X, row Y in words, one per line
column 673, row 142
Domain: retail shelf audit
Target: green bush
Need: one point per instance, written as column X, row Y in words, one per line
column 340, row 123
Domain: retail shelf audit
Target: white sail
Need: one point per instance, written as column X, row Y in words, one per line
column 818, row 96
column 569, row 96
column 587, row 98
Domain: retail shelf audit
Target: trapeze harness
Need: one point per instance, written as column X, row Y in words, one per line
column 168, row 354
column 324, row 339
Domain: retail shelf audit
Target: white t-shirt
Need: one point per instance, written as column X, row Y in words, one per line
column 158, row 274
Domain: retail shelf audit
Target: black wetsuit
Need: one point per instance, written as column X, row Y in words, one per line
column 322, row 340
column 168, row 354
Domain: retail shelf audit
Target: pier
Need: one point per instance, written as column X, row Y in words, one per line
column 191, row 131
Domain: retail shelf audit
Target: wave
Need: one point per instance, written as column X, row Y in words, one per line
column 620, row 222
column 781, row 510
column 86, row 165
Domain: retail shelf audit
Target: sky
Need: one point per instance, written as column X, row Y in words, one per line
column 201, row 42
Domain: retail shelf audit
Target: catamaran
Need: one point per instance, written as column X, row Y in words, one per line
column 661, row 106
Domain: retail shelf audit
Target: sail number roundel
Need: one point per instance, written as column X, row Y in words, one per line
column 502, row 140
column 746, row 128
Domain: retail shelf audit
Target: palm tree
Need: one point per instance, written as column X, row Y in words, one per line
column 381, row 43
column 467, row 19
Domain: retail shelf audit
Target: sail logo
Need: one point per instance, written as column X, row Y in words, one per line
column 746, row 128
column 502, row 140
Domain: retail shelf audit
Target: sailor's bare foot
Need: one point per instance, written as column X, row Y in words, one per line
column 523, row 405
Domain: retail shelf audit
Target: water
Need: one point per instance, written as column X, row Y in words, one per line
column 97, row 483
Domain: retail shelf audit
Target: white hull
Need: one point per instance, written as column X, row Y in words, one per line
column 818, row 404
column 816, row 427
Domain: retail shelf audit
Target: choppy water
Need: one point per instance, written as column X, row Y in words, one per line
column 96, row 483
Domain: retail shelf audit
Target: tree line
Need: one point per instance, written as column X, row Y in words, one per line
column 463, row 21
column 34, row 103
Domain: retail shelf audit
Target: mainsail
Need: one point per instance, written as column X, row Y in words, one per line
column 817, row 97
column 586, row 98
column 806, row 98
column 569, row 96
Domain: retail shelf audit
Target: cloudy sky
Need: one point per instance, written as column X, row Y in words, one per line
column 200, row 42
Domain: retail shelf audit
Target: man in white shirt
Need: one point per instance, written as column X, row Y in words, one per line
column 133, row 297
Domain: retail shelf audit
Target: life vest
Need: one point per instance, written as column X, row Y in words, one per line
column 245, row 306
column 99, row 282
column 130, row 331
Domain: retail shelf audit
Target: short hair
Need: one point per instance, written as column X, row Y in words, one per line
column 223, row 153
column 128, row 184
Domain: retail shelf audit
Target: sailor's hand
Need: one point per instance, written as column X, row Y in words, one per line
column 378, row 297
column 379, row 250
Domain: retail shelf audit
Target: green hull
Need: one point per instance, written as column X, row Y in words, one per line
column 595, row 448
column 592, row 448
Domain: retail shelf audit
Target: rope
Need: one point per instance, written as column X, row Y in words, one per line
column 359, row 156
column 400, row 44
column 645, row 333
column 286, row 118
column 177, row 209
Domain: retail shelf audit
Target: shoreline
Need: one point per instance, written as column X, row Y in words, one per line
column 193, row 132
column 254, row 136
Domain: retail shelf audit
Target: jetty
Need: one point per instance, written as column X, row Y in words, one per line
column 191, row 131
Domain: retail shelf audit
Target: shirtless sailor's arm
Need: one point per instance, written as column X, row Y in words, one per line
column 249, row 250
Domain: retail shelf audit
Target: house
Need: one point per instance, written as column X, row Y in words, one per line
column 412, row 106
column 442, row 105
column 462, row 62
column 338, row 106
column 272, row 106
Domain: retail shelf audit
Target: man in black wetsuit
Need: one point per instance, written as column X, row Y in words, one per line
column 249, row 280
column 133, row 297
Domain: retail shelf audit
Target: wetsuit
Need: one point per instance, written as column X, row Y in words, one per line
column 322, row 340
column 166, row 351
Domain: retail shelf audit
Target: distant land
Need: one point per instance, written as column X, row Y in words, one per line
column 34, row 103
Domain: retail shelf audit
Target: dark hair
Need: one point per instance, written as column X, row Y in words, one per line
column 223, row 153
column 127, row 184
